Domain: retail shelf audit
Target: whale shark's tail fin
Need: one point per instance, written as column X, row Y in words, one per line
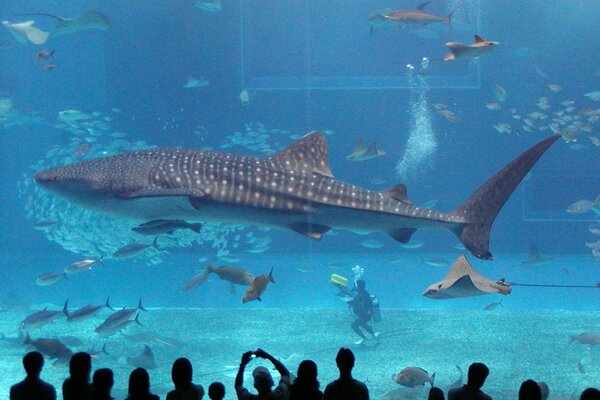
column 481, row 208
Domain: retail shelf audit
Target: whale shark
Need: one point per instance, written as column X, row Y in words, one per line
column 294, row 189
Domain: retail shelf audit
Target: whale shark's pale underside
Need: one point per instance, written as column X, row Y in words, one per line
column 294, row 189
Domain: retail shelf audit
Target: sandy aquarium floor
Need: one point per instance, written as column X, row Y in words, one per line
column 516, row 345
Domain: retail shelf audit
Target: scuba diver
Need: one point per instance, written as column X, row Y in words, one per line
column 364, row 306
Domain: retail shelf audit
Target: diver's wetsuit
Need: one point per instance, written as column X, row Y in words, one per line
column 363, row 309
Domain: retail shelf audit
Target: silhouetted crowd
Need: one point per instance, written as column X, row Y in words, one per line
column 305, row 386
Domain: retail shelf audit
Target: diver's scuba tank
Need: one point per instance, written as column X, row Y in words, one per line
column 375, row 310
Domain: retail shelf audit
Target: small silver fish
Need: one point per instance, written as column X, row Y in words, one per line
column 134, row 249
column 492, row 306
column 83, row 265
column 50, row 278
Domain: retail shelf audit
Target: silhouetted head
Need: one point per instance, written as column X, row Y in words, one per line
column 435, row 393
column 361, row 285
column 139, row 382
column 181, row 373
column 216, row 391
column 33, row 363
column 103, row 381
column 307, row 373
column 530, row 390
column 590, row 394
column 80, row 366
column 345, row 361
column 263, row 381
column 477, row 374
column 544, row 389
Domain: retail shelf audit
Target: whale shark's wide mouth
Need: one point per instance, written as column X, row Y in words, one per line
column 46, row 177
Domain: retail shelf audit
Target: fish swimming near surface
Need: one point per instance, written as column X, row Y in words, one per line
column 161, row 226
column 413, row 376
column 50, row 278
column 258, row 287
column 461, row 50
column 85, row 312
column 293, row 189
column 52, row 348
column 592, row 339
column 144, row 360
column 464, row 281
column 233, row 275
column 39, row 319
column 83, row 265
column 134, row 249
column 417, row 16
column 535, row 257
column 362, row 153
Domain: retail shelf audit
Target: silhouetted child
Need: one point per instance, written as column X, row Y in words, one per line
column 216, row 391
column 306, row 385
column 77, row 386
column 32, row 387
column 181, row 374
column 530, row 390
column 590, row 394
column 102, row 383
column 435, row 393
column 346, row 387
column 139, row 386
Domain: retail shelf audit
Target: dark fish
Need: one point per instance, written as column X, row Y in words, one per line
column 84, row 312
column 50, row 278
column 160, row 226
column 413, row 376
column 111, row 328
column 417, row 16
column 234, row 275
column 134, row 249
column 119, row 320
column 592, row 339
column 39, row 319
column 45, row 224
column 492, row 306
column 293, row 189
column 144, row 360
column 50, row 347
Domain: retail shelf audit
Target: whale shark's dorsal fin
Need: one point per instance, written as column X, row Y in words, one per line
column 423, row 5
column 307, row 154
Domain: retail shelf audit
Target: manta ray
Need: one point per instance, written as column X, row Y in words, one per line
column 362, row 153
column 294, row 189
column 25, row 31
column 463, row 280
column 461, row 50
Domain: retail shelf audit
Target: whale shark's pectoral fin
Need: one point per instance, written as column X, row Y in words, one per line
column 402, row 235
column 313, row 231
column 162, row 192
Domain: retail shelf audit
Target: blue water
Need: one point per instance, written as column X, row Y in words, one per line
column 309, row 65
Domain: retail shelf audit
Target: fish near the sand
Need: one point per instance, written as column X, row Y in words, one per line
column 160, row 226
column 144, row 360
column 293, row 189
column 84, row 312
column 413, row 376
column 417, row 16
column 39, row 319
column 463, row 280
column 591, row 339
column 461, row 50
column 52, row 348
column 258, row 287
column 492, row 306
column 134, row 249
column 119, row 320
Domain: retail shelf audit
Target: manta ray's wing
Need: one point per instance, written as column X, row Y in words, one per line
column 87, row 20
column 463, row 287
column 464, row 272
column 358, row 152
column 25, row 32
column 371, row 152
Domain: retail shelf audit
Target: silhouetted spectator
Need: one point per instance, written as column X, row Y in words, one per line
column 102, row 383
column 139, row 386
column 476, row 377
column 32, row 387
column 181, row 374
column 435, row 393
column 590, row 394
column 306, row 385
column 77, row 386
column 346, row 387
column 263, row 382
column 216, row 391
column 545, row 390
column 530, row 390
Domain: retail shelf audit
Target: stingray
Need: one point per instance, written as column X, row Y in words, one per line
column 362, row 153
column 144, row 360
column 463, row 280
column 25, row 31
